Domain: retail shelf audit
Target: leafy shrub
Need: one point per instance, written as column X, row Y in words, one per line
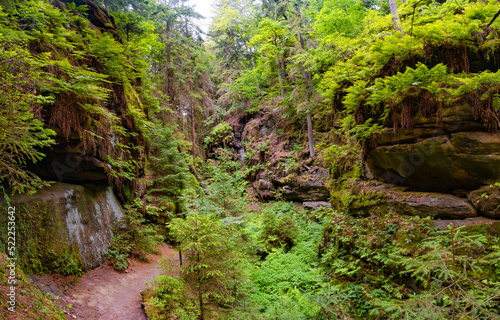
column 135, row 238
column 118, row 260
column 166, row 299
column 396, row 267
column 67, row 265
column 220, row 135
column 279, row 229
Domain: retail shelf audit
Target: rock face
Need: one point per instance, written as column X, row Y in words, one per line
column 66, row 219
column 458, row 154
column 283, row 169
column 67, row 162
column 487, row 201
column 492, row 225
column 304, row 188
column 466, row 160
column 316, row 204
column 385, row 197
column 78, row 155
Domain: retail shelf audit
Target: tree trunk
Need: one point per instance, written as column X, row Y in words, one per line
column 198, row 279
column 192, row 169
column 280, row 77
column 310, row 134
column 191, row 102
column 309, row 88
column 192, row 129
column 283, row 68
column 395, row 16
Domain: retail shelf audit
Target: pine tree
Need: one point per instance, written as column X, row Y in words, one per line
column 210, row 258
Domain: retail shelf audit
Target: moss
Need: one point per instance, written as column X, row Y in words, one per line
column 31, row 303
column 39, row 237
column 490, row 230
column 358, row 202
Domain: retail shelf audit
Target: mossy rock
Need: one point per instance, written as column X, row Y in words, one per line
column 63, row 228
column 467, row 160
column 487, row 201
column 363, row 198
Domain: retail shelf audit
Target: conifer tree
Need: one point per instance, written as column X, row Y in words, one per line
column 210, row 258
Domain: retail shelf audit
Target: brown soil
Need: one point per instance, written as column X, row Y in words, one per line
column 105, row 294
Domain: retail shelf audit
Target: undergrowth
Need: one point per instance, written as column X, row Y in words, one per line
column 133, row 236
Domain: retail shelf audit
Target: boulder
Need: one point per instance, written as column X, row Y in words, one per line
column 316, row 204
column 366, row 198
column 64, row 220
column 432, row 204
column 476, row 221
column 487, row 201
column 443, row 163
column 305, row 188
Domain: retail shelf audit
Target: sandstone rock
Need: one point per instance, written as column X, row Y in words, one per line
column 487, row 201
column 305, row 188
column 372, row 195
column 67, row 219
column 476, row 221
column 455, row 118
column 316, row 204
column 433, row 204
column 64, row 162
column 467, row 160
column 263, row 186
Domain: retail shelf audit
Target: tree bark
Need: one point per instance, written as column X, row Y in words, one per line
column 191, row 104
column 192, row 129
column 280, row 77
column 395, row 16
column 309, row 88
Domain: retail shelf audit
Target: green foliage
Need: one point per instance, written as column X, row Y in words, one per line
column 279, row 228
column 132, row 236
column 56, row 58
column 451, row 270
column 220, row 135
column 281, row 286
column 67, row 265
column 226, row 191
column 166, row 298
column 21, row 133
column 400, row 267
column 210, row 265
column 169, row 166
column 339, row 17
column 119, row 260
column 31, row 303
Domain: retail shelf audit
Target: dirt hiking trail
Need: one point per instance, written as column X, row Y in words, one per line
column 104, row 294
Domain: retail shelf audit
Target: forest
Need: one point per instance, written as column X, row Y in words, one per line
column 302, row 159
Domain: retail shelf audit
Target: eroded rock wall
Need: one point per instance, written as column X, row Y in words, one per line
column 65, row 220
column 451, row 165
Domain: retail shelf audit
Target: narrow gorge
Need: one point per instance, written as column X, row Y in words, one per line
column 275, row 160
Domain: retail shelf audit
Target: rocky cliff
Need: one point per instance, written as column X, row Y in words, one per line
column 453, row 164
column 64, row 224
column 93, row 107
column 276, row 157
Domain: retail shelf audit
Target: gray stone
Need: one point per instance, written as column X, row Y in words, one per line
column 476, row 221
column 76, row 220
column 317, row 204
column 372, row 195
column 467, row 160
column 487, row 201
